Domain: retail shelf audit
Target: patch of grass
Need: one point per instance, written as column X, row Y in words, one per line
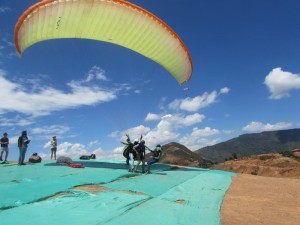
column 289, row 154
column 266, row 157
column 254, row 173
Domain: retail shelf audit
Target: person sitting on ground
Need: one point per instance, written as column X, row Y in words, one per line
column 155, row 157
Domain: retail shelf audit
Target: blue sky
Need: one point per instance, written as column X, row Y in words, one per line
column 245, row 55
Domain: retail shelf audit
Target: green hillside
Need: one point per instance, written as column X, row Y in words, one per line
column 253, row 144
column 175, row 153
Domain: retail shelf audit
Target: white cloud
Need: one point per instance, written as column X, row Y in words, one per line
column 162, row 104
column 178, row 121
column 198, row 138
column 198, row 102
column 99, row 152
column 134, row 133
column 207, row 131
column 96, row 73
column 165, row 131
column 72, row 150
column 152, row 116
column 13, row 139
column 7, row 47
column 228, row 131
column 16, row 121
column 47, row 99
column 190, row 120
column 194, row 144
column 259, row 127
column 137, row 131
column 93, row 143
column 117, row 153
column 160, row 135
column 46, row 132
column 50, row 130
column 280, row 83
column 167, row 128
column 224, row 90
column 4, row 9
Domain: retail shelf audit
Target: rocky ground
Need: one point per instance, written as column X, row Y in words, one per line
column 270, row 165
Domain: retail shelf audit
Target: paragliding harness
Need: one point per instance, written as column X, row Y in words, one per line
column 156, row 155
column 88, row 157
column 35, row 158
column 128, row 148
column 140, row 148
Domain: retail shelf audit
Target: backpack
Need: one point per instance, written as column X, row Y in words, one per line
column 35, row 158
column 84, row 157
column 63, row 160
column 88, row 157
column 126, row 151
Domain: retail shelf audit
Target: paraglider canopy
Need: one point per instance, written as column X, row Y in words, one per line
column 115, row 21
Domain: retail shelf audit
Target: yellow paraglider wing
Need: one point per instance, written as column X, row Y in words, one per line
column 115, row 21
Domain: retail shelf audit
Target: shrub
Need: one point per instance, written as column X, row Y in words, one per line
column 234, row 156
column 287, row 154
column 265, row 157
column 204, row 164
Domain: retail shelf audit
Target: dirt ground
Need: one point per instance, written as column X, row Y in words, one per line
column 258, row 200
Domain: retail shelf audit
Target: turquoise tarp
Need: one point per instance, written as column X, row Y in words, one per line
column 167, row 196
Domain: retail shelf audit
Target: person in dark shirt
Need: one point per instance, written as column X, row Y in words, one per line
column 155, row 158
column 4, row 141
column 129, row 153
column 23, row 142
column 140, row 150
column 127, row 149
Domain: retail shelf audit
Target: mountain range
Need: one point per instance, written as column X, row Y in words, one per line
column 252, row 144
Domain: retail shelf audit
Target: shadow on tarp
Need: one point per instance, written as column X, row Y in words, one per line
column 95, row 164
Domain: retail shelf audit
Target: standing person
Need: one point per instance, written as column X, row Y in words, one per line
column 4, row 141
column 155, row 158
column 140, row 150
column 53, row 147
column 127, row 149
column 23, row 142
column 132, row 155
